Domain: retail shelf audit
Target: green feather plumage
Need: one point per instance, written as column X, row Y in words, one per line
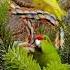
column 48, row 48
column 48, row 57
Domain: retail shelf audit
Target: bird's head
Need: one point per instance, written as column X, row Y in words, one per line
column 38, row 39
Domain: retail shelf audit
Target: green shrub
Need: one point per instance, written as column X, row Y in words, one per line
column 5, row 34
column 65, row 52
column 56, row 66
column 4, row 7
column 17, row 58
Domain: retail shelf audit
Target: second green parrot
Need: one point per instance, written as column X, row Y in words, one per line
column 50, row 6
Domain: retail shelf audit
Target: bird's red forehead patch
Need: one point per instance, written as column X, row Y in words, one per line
column 39, row 37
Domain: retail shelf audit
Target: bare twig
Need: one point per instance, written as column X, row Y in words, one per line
column 23, row 3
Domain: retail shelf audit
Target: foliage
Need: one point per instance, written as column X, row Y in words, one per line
column 65, row 4
column 4, row 7
column 5, row 35
column 65, row 53
column 56, row 66
column 2, row 52
column 17, row 58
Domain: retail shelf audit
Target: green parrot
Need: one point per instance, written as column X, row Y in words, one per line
column 50, row 6
column 46, row 54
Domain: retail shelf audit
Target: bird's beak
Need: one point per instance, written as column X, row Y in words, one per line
column 38, row 39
